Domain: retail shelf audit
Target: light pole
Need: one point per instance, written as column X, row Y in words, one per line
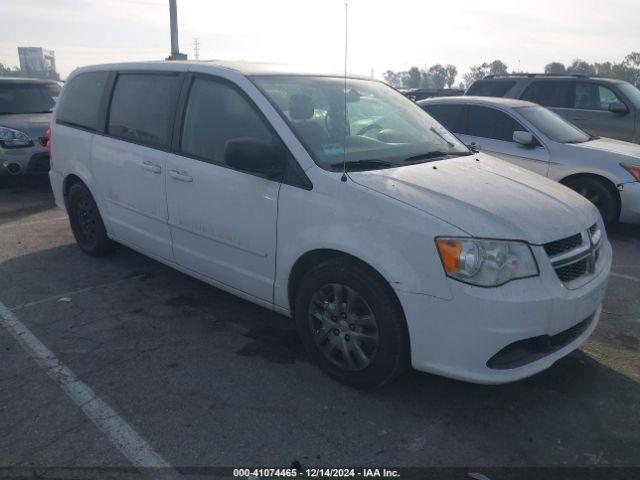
column 173, row 20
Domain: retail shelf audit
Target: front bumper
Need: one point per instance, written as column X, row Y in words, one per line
column 630, row 202
column 32, row 160
column 457, row 338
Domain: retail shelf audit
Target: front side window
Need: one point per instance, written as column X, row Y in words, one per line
column 27, row 97
column 451, row 116
column 553, row 125
column 549, row 94
column 142, row 108
column 488, row 122
column 591, row 96
column 369, row 125
column 80, row 103
column 216, row 113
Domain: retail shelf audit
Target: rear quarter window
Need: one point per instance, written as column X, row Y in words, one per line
column 142, row 108
column 489, row 88
column 80, row 102
column 550, row 94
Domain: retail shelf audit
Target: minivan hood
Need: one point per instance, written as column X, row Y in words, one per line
column 611, row 146
column 33, row 124
column 486, row 197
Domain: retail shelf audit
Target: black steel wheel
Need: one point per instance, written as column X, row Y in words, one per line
column 86, row 222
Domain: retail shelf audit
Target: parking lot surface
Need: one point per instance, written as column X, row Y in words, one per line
column 207, row 379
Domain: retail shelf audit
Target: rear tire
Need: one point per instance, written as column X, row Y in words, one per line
column 86, row 222
column 598, row 193
column 351, row 324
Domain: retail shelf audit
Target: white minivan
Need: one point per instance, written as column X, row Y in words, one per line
column 338, row 202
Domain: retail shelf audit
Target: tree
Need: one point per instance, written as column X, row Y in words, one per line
column 581, row 67
column 555, row 68
column 603, row 69
column 438, row 75
column 478, row 72
column 631, row 66
column 392, row 78
column 451, row 72
column 413, row 78
column 498, row 67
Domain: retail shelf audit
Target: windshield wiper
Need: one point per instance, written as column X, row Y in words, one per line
column 363, row 164
column 434, row 155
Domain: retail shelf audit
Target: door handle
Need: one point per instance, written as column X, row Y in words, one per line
column 180, row 175
column 151, row 167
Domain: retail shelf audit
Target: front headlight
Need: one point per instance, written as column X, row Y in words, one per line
column 10, row 138
column 486, row 263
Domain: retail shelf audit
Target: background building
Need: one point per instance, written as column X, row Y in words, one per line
column 38, row 62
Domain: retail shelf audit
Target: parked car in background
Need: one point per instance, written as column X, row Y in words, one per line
column 388, row 241
column 600, row 106
column 25, row 113
column 605, row 171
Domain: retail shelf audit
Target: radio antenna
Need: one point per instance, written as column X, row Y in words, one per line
column 345, row 126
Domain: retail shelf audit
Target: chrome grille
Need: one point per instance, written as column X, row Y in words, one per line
column 575, row 257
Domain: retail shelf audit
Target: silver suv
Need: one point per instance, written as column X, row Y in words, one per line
column 25, row 114
column 600, row 106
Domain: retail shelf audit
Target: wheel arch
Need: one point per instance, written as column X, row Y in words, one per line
column 69, row 180
column 606, row 181
column 311, row 258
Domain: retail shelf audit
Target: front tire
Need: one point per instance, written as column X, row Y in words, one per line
column 351, row 324
column 86, row 222
column 598, row 193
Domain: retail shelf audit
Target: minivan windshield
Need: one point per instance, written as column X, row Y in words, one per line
column 553, row 126
column 383, row 129
column 631, row 92
column 27, row 97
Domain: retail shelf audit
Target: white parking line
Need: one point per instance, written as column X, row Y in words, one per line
column 34, row 222
column 121, row 434
column 626, row 277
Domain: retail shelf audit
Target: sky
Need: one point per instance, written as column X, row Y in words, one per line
column 382, row 34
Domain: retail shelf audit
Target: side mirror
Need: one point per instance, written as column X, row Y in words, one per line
column 252, row 155
column 618, row 107
column 524, row 138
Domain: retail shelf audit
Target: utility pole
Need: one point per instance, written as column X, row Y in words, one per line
column 173, row 20
column 196, row 48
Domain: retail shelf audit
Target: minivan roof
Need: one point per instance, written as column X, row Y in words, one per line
column 472, row 100
column 244, row 68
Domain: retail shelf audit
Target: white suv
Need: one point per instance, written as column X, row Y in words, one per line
column 383, row 236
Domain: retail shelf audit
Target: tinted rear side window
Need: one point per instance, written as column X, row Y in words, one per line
column 80, row 104
column 487, row 122
column 550, row 94
column 488, row 88
column 142, row 108
column 451, row 116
